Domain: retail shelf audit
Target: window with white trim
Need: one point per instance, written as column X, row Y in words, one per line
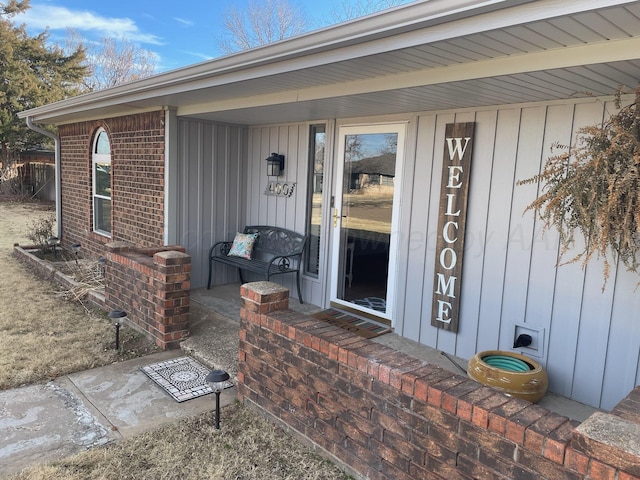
column 101, row 161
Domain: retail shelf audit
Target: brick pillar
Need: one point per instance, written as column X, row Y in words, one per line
column 152, row 286
column 258, row 300
column 263, row 297
column 612, row 440
column 172, row 281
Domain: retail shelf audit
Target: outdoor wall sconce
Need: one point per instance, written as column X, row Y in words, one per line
column 275, row 165
column 217, row 380
column 117, row 315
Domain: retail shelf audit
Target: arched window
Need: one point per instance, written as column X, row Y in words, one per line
column 101, row 160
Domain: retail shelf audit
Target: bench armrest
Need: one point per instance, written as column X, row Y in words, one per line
column 222, row 248
column 283, row 262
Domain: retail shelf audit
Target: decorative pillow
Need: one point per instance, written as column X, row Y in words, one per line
column 243, row 245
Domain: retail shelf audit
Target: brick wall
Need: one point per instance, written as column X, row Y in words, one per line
column 387, row 415
column 137, row 162
column 152, row 286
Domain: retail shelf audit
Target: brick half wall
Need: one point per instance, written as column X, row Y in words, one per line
column 152, row 287
column 386, row 415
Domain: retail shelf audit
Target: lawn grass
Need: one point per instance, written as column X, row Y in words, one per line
column 247, row 447
column 43, row 336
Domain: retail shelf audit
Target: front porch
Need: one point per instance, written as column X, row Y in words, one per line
column 215, row 324
column 382, row 413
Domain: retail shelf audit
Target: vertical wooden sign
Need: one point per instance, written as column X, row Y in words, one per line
column 456, row 169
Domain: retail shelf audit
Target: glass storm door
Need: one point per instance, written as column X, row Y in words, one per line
column 364, row 217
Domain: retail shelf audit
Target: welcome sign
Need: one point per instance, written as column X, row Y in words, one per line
column 456, row 169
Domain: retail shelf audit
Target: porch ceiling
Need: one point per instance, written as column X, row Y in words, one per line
column 514, row 52
column 543, row 85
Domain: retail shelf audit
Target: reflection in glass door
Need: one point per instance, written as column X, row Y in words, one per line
column 364, row 217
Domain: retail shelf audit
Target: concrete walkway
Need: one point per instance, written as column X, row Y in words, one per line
column 44, row 423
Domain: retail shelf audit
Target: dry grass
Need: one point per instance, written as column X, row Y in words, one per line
column 42, row 336
column 247, row 447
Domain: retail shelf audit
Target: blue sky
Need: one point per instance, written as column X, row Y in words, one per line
column 179, row 33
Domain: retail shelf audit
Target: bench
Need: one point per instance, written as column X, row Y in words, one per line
column 276, row 251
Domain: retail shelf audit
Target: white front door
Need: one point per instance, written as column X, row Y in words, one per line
column 365, row 219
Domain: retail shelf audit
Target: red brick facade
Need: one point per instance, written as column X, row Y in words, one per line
column 137, row 180
column 387, row 415
column 152, row 287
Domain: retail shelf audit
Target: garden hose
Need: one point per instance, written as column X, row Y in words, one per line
column 506, row 363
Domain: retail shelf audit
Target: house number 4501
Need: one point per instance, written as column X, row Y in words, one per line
column 280, row 189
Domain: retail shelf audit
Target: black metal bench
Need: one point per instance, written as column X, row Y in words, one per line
column 276, row 251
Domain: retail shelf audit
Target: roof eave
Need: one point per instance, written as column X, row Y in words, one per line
column 379, row 25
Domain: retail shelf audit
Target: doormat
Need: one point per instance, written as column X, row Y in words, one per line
column 353, row 324
column 372, row 303
column 183, row 378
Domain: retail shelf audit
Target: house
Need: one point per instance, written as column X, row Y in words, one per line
column 363, row 113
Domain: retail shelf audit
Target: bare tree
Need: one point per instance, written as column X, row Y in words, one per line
column 112, row 61
column 262, row 22
column 350, row 9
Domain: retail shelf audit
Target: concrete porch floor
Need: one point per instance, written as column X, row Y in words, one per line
column 215, row 323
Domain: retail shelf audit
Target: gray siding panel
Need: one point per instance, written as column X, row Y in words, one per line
column 211, row 192
column 496, row 238
column 286, row 212
column 471, row 295
column 591, row 339
column 416, row 245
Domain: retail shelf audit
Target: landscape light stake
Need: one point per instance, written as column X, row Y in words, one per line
column 53, row 243
column 76, row 249
column 117, row 325
column 119, row 315
column 217, row 380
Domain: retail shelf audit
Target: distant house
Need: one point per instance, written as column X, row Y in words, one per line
column 180, row 158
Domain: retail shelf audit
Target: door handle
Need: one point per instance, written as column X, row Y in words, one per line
column 336, row 215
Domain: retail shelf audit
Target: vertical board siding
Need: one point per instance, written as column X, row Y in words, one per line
column 567, row 305
column 429, row 335
column 521, row 226
column 415, row 198
column 621, row 366
column 476, row 233
column 292, row 141
column 591, row 339
column 496, row 238
column 210, row 192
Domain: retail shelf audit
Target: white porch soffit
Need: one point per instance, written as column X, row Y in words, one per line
column 430, row 55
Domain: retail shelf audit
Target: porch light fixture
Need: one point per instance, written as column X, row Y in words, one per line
column 217, row 379
column 275, row 165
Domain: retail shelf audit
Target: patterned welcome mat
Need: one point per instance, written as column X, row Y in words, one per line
column 353, row 324
column 372, row 303
column 183, row 378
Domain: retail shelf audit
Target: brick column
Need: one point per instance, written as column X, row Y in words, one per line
column 612, row 440
column 172, row 279
column 152, row 286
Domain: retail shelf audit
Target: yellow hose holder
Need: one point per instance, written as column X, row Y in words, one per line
column 512, row 373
